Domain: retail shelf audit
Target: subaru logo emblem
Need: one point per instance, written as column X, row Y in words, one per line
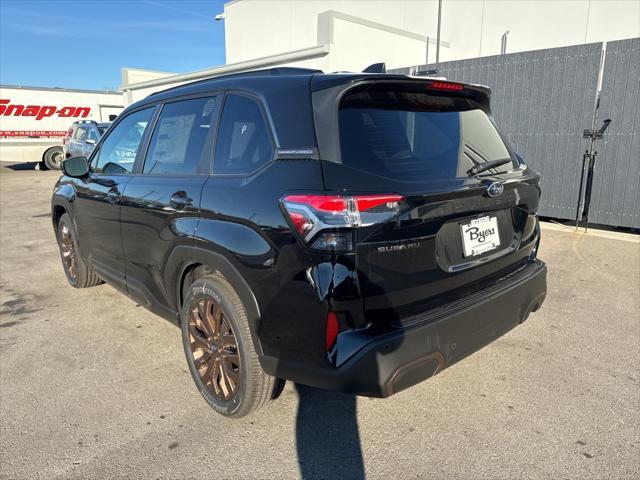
column 495, row 189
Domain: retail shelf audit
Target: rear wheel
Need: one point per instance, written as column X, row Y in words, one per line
column 79, row 274
column 53, row 158
column 220, row 352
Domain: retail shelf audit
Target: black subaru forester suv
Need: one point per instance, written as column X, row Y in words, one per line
column 356, row 232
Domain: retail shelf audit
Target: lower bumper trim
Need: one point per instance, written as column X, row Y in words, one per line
column 395, row 361
column 415, row 372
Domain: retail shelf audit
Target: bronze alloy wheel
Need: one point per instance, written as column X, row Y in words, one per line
column 214, row 348
column 68, row 253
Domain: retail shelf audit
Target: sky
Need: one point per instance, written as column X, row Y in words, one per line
column 83, row 44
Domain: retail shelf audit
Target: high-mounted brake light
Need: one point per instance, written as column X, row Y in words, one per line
column 454, row 87
column 325, row 222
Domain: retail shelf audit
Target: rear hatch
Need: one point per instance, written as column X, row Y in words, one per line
column 454, row 231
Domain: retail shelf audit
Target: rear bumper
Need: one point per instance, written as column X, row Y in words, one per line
column 387, row 364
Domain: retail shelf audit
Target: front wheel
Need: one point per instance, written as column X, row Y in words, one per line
column 79, row 274
column 220, row 352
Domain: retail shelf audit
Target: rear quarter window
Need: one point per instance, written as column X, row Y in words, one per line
column 244, row 143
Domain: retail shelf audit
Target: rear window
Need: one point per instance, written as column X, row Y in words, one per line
column 80, row 134
column 417, row 137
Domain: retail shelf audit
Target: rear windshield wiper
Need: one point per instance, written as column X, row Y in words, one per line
column 475, row 170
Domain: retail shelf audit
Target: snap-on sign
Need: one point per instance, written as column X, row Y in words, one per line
column 41, row 111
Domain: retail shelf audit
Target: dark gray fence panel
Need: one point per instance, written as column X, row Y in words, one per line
column 542, row 100
column 614, row 198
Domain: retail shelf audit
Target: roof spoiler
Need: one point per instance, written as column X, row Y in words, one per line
column 376, row 68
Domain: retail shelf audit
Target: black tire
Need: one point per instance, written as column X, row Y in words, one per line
column 253, row 387
column 78, row 273
column 53, row 158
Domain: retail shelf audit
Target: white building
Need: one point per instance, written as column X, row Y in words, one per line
column 334, row 35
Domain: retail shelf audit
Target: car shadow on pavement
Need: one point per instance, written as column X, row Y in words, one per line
column 327, row 437
column 21, row 166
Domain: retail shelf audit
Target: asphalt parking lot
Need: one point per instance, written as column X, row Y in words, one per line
column 93, row 386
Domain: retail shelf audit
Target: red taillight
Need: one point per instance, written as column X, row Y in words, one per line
column 325, row 221
column 333, row 328
column 367, row 202
column 301, row 223
column 454, row 87
column 324, row 203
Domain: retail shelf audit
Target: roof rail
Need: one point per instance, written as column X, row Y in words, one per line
column 265, row 71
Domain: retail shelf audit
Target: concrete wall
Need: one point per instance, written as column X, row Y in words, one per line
column 138, row 75
column 255, row 28
column 535, row 24
column 258, row 28
column 334, row 35
column 356, row 43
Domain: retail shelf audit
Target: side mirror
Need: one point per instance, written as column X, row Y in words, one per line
column 90, row 141
column 77, row 167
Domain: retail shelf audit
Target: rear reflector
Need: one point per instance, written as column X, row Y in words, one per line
column 455, row 87
column 332, row 330
column 338, row 241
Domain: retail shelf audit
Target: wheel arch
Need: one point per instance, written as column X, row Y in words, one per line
column 63, row 196
column 186, row 263
column 56, row 213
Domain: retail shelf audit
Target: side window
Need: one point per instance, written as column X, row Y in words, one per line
column 181, row 139
column 118, row 151
column 80, row 133
column 93, row 135
column 243, row 144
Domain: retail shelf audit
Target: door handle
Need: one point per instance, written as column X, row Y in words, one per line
column 180, row 200
column 113, row 195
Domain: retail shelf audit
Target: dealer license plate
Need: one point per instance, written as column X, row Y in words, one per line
column 480, row 235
